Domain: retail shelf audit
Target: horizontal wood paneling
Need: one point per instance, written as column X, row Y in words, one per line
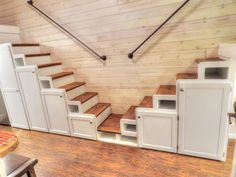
column 114, row 28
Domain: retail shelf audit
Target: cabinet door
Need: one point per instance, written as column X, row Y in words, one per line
column 157, row 130
column 203, row 121
column 15, row 108
column 3, row 113
column 33, row 100
column 55, row 104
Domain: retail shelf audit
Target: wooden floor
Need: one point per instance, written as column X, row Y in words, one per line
column 61, row 156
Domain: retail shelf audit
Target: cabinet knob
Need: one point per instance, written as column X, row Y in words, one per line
column 181, row 89
column 91, row 122
column 61, row 96
column 139, row 117
column 33, row 72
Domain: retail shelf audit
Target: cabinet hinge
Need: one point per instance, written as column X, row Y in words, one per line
column 177, row 147
column 224, row 154
column 178, row 118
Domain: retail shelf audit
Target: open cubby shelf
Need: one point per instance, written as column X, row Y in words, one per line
column 167, row 104
column 217, row 73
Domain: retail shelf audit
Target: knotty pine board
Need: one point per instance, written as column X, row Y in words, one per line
column 114, row 28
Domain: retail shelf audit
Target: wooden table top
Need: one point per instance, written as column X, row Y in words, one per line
column 9, row 146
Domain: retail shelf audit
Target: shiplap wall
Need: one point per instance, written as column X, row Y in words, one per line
column 114, row 28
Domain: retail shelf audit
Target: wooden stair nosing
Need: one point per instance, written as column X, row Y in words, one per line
column 49, row 65
column 166, row 90
column 98, row 109
column 25, row 44
column 130, row 113
column 85, row 97
column 208, row 60
column 60, row 75
column 71, row 86
column 186, row 76
column 147, row 102
column 111, row 124
column 38, row 55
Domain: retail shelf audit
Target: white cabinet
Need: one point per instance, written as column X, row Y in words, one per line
column 55, row 105
column 30, row 86
column 83, row 126
column 15, row 108
column 203, row 121
column 157, row 129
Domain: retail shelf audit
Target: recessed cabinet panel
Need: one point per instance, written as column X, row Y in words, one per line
column 33, row 100
column 57, row 113
column 157, row 130
column 15, row 108
column 203, row 122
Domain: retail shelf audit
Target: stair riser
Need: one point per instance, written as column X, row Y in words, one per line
column 103, row 116
column 38, row 60
column 50, row 70
column 88, row 104
column 75, row 92
column 63, row 81
column 26, row 50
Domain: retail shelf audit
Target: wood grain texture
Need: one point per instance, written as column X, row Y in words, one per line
column 98, row 108
column 25, row 45
column 49, row 65
column 147, row 102
column 114, row 28
column 186, row 76
column 71, row 86
column 97, row 159
column 85, row 97
column 166, row 90
column 111, row 124
column 130, row 113
column 37, row 55
column 59, row 75
column 208, row 60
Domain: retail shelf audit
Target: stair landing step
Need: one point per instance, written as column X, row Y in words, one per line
column 37, row 55
column 49, row 65
column 25, row 44
column 85, row 97
column 166, row 90
column 111, row 124
column 130, row 114
column 186, row 76
column 146, row 102
column 98, row 109
column 208, row 60
column 72, row 86
column 62, row 74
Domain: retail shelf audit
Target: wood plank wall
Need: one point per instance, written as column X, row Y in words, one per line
column 114, row 28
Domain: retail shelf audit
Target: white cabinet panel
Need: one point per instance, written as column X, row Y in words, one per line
column 203, row 121
column 15, row 108
column 32, row 95
column 55, row 104
column 83, row 126
column 7, row 70
column 157, row 130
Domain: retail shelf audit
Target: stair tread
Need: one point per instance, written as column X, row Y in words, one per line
column 98, row 108
column 208, row 60
column 61, row 74
column 49, row 65
column 146, row 102
column 130, row 113
column 24, row 44
column 111, row 124
column 71, row 86
column 166, row 90
column 37, row 54
column 85, row 97
column 186, row 76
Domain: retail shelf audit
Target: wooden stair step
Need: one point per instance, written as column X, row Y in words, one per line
column 111, row 124
column 208, row 60
column 98, row 109
column 85, row 97
column 25, row 44
column 37, row 55
column 71, row 86
column 186, row 76
column 49, row 65
column 166, row 90
column 62, row 74
column 130, row 114
column 146, row 102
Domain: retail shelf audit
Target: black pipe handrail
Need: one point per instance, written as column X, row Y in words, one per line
column 131, row 55
column 102, row 57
